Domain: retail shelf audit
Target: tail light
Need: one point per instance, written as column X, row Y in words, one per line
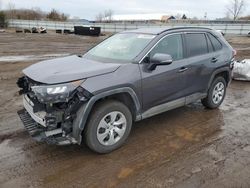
column 234, row 53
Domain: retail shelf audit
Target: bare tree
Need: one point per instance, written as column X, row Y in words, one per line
column 108, row 15
column 99, row 17
column 57, row 16
column 11, row 6
column 235, row 8
column 2, row 17
column 11, row 10
column 178, row 16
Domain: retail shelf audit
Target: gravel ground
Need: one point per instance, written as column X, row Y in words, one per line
column 186, row 147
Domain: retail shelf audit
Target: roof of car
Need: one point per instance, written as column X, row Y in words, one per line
column 159, row 30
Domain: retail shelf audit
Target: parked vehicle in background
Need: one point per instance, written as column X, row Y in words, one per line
column 133, row 75
column 221, row 32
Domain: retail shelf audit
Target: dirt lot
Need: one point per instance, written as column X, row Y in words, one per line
column 186, row 147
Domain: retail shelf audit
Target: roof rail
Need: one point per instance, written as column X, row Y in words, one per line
column 177, row 28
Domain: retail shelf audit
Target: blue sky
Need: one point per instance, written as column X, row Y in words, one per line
column 88, row 9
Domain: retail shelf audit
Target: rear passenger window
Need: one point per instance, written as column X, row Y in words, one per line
column 216, row 43
column 196, row 44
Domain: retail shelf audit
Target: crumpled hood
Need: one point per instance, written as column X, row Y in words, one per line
column 67, row 69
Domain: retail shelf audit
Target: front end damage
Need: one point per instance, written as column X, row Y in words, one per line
column 50, row 111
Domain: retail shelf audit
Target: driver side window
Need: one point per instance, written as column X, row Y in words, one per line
column 171, row 45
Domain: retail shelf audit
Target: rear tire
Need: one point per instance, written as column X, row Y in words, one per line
column 216, row 93
column 108, row 127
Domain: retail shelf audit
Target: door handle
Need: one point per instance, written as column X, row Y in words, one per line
column 214, row 60
column 183, row 69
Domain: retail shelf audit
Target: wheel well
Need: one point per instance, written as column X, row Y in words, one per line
column 124, row 98
column 224, row 74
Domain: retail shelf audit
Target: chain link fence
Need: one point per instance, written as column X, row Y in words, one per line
column 227, row 28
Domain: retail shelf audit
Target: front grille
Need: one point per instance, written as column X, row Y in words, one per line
column 39, row 133
column 31, row 126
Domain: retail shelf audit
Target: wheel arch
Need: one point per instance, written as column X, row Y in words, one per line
column 224, row 72
column 126, row 95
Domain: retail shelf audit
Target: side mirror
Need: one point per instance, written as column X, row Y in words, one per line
column 159, row 60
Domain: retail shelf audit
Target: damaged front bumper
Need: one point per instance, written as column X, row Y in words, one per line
column 40, row 134
column 35, row 124
column 55, row 123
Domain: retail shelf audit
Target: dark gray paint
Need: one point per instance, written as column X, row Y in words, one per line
column 67, row 69
column 153, row 92
column 162, row 85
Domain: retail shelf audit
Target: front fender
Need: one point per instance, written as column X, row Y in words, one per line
column 83, row 113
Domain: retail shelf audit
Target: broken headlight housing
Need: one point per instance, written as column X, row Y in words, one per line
column 55, row 93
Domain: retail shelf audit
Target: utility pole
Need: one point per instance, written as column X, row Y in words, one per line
column 205, row 16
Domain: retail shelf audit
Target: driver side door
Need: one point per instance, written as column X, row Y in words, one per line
column 165, row 83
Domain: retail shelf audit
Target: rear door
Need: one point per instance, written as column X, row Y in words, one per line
column 198, row 63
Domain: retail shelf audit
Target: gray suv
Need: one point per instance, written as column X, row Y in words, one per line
column 94, row 98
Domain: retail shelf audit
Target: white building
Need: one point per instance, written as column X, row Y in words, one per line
column 142, row 17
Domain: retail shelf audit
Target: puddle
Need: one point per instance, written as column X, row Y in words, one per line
column 125, row 172
column 30, row 57
column 6, row 149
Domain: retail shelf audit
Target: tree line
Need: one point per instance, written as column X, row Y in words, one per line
column 31, row 14
column 35, row 14
column 234, row 10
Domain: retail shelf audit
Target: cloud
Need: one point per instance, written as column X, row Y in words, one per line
column 88, row 9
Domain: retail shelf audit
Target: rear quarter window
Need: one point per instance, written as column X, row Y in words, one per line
column 215, row 42
column 209, row 44
column 196, row 44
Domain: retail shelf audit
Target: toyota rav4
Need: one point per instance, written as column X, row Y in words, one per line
column 95, row 98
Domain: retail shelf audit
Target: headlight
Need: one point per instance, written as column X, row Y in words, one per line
column 55, row 93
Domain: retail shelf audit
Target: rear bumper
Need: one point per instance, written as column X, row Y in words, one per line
column 39, row 132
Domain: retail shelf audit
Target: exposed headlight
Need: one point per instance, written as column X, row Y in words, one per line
column 57, row 90
column 55, row 93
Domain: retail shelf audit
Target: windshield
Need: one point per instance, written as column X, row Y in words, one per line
column 124, row 47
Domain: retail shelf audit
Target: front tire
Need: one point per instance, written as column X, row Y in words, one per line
column 108, row 127
column 216, row 93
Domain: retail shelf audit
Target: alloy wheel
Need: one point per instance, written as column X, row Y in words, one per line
column 111, row 128
column 218, row 93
